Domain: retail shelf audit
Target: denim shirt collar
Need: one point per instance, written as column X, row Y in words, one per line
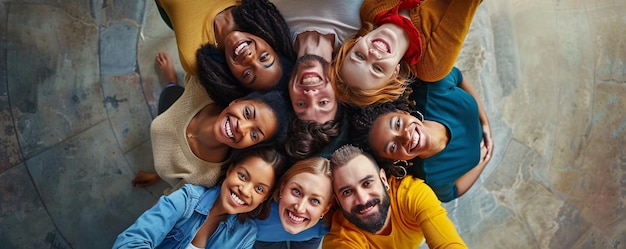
column 206, row 202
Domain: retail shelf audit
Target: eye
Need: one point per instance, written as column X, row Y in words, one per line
column 398, row 124
column 359, row 56
column 367, row 183
column 324, row 102
column 241, row 176
column 346, row 192
column 301, row 104
column 246, row 113
column 264, row 57
column 259, row 189
column 254, row 135
column 295, row 192
column 316, row 202
column 392, row 148
column 377, row 68
column 247, row 73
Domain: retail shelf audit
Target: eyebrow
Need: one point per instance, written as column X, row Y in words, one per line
column 264, row 66
column 313, row 194
column 250, row 176
column 254, row 117
column 386, row 146
column 342, row 188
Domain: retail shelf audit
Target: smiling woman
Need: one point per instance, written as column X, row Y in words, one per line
column 216, row 217
column 301, row 202
column 194, row 136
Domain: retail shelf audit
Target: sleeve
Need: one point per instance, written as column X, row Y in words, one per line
column 152, row 226
column 424, row 206
column 457, row 76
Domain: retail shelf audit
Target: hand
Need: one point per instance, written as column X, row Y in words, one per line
column 145, row 179
column 486, row 145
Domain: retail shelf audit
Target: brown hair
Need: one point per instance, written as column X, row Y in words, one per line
column 352, row 95
column 312, row 165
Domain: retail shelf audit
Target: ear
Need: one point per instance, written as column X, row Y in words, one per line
column 383, row 177
column 397, row 70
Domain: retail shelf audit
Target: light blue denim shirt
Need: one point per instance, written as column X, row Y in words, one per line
column 174, row 221
column 271, row 229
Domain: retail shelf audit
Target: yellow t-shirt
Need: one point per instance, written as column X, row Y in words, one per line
column 416, row 213
column 192, row 21
column 443, row 25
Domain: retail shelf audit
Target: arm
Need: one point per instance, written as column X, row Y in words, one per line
column 426, row 209
column 487, row 143
column 153, row 225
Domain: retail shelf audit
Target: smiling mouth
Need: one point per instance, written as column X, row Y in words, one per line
column 294, row 218
column 236, row 198
column 381, row 45
column 415, row 139
column 243, row 46
column 229, row 129
column 311, row 79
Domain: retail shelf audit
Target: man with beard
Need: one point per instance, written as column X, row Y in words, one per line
column 377, row 213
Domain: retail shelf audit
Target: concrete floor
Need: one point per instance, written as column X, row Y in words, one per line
column 79, row 87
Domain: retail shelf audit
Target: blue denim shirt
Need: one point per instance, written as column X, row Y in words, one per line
column 271, row 229
column 174, row 221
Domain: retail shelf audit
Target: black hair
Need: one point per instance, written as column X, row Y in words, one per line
column 268, row 154
column 282, row 109
column 307, row 138
column 362, row 119
column 260, row 18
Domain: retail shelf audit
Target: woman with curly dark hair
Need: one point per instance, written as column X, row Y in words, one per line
column 233, row 46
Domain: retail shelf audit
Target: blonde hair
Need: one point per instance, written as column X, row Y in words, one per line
column 349, row 94
column 313, row 165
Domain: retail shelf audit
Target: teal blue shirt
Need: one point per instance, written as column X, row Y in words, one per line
column 446, row 103
column 175, row 219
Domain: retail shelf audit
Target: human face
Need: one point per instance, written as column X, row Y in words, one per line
column 303, row 200
column 310, row 91
column 245, row 122
column 360, row 190
column 373, row 60
column 247, row 185
column 252, row 61
column 399, row 136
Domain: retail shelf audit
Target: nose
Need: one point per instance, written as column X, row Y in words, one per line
column 404, row 136
column 361, row 197
column 243, row 126
column 250, row 55
column 310, row 93
column 301, row 206
column 375, row 53
column 246, row 189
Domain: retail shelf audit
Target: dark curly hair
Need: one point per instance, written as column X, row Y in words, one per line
column 362, row 119
column 260, row 18
column 307, row 138
column 268, row 154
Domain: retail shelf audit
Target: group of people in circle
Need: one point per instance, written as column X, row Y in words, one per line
column 340, row 124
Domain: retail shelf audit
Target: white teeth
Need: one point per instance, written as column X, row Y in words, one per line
column 229, row 132
column 366, row 210
column 381, row 46
column 236, row 199
column 240, row 48
column 415, row 140
column 309, row 80
column 293, row 217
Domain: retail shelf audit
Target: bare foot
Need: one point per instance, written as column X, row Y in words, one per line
column 145, row 179
column 164, row 62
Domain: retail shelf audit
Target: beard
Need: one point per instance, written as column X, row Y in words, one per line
column 373, row 222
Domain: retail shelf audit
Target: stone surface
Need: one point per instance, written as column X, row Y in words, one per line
column 79, row 88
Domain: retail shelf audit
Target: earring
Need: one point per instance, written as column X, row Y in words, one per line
column 421, row 116
column 398, row 170
column 322, row 217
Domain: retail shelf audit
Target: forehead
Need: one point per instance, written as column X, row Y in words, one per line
column 311, row 183
column 354, row 171
column 259, row 170
column 380, row 132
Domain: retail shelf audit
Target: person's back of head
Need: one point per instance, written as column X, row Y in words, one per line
column 307, row 138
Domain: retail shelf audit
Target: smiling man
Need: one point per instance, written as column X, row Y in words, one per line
column 371, row 206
